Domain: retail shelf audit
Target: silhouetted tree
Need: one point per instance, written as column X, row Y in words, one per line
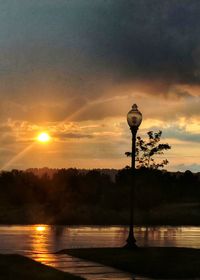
column 146, row 150
column 72, row 196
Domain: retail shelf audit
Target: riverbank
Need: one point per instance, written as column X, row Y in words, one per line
column 156, row 262
column 19, row 267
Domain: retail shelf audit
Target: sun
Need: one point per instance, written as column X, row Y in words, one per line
column 43, row 137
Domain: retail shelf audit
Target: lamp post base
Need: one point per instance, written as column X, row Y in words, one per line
column 131, row 243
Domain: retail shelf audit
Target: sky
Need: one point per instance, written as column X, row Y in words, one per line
column 74, row 68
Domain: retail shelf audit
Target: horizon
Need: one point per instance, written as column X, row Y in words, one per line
column 33, row 169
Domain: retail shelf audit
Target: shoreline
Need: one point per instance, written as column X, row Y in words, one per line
column 14, row 266
column 101, row 225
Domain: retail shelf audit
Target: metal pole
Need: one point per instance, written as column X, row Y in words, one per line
column 131, row 241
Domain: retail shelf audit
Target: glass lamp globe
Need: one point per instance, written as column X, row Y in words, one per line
column 134, row 117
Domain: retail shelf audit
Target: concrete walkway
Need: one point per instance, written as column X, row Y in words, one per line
column 86, row 269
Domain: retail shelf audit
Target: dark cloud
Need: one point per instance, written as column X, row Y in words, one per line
column 179, row 94
column 79, row 43
column 58, row 56
column 151, row 39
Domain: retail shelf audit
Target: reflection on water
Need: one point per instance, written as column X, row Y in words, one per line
column 45, row 238
column 40, row 241
column 40, row 228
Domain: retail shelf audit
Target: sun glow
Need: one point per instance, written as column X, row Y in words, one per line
column 40, row 228
column 43, row 137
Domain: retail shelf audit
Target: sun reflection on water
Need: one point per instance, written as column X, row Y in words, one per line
column 40, row 228
column 41, row 241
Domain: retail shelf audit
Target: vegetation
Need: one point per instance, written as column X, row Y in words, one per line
column 147, row 150
column 19, row 267
column 70, row 196
column 157, row 262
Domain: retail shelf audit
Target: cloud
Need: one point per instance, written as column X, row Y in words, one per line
column 64, row 55
column 183, row 167
column 80, row 43
column 5, row 128
column 179, row 94
column 6, row 152
column 63, row 136
column 67, row 64
column 178, row 132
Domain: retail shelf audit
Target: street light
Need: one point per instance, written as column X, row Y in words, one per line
column 134, row 119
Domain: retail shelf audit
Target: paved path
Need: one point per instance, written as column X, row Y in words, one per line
column 88, row 270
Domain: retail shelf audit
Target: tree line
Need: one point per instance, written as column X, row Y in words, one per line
column 73, row 197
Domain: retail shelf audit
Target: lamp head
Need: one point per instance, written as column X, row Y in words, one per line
column 134, row 117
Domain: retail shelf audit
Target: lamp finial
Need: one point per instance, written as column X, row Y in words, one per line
column 135, row 107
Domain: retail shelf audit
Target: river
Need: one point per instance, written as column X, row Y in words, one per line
column 40, row 241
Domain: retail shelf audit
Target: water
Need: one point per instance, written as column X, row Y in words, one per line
column 40, row 241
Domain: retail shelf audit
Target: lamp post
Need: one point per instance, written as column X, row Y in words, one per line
column 134, row 119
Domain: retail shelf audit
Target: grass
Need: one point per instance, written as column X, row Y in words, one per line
column 157, row 262
column 22, row 268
